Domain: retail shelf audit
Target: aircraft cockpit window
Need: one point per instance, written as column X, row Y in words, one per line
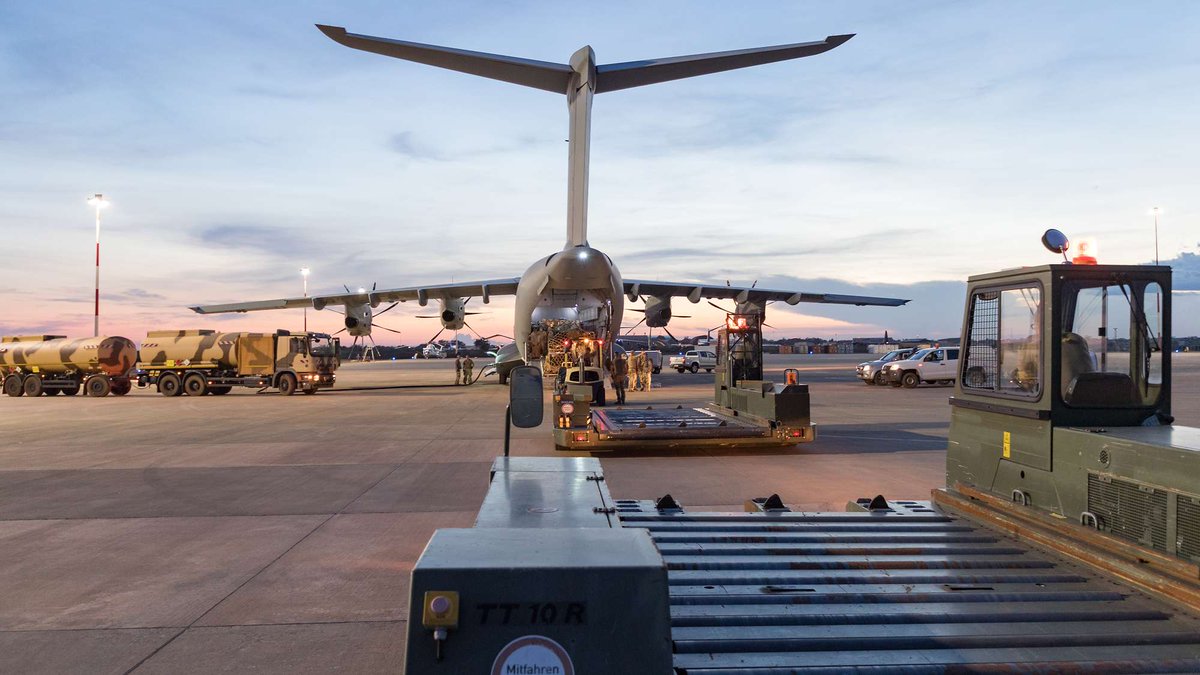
column 1112, row 344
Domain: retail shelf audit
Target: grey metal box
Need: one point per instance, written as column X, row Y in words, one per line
column 601, row 594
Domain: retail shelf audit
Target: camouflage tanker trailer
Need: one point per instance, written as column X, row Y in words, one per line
column 32, row 365
column 199, row 362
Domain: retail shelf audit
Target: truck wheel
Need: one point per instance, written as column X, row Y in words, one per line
column 287, row 384
column 13, row 386
column 910, row 380
column 695, row 367
column 121, row 388
column 681, row 369
column 52, row 392
column 877, row 378
column 220, row 391
column 98, row 386
column 169, row 384
column 195, row 385
column 708, row 370
column 657, row 370
column 503, row 377
column 72, row 390
column 310, row 392
column 32, row 385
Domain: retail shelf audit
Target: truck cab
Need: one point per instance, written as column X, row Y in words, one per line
column 1063, row 403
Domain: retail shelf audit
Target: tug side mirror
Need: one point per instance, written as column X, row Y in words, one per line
column 525, row 399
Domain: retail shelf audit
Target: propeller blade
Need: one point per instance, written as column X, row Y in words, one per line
column 669, row 333
column 630, row 330
column 393, row 330
column 431, row 316
column 435, row 336
column 721, row 308
column 340, row 331
column 376, row 284
column 390, row 307
column 346, row 287
column 680, row 316
column 336, row 311
column 474, row 313
column 634, row 309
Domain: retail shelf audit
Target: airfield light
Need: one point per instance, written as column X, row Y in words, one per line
column 1155, row 212
column 736, row 323
column 98, row 202
column 304, row 273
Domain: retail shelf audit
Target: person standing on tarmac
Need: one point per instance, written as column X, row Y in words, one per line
column 458, row 370
column 620, row 373
column 468, row 365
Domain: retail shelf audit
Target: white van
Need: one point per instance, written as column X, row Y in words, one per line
column 933, row 365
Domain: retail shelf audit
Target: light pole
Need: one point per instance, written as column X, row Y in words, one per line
column 304, row 273
column 99, row 203
column 1155, row 211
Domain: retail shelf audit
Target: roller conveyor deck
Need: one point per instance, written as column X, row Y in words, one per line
column 909, row 589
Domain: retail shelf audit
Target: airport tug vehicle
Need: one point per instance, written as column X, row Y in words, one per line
column 746, row 411
column 36, row 365
column 199, row 362
column 1066, row 539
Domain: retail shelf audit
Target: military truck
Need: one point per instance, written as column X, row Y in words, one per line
column 199, row 362
column 33, row 365
column 1066, row 539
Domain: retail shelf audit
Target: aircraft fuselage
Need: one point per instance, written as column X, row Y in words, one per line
column 578, row 285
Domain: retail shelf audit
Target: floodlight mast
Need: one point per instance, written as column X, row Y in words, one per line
column 579, row 81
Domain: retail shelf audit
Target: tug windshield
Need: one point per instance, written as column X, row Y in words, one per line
column 1112, row 344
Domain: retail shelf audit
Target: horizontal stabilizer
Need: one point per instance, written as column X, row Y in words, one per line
column 556, row 77
column 637, row 73
column 537, row 74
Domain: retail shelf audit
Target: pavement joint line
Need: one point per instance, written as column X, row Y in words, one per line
column 264, row 568
column 217, row 625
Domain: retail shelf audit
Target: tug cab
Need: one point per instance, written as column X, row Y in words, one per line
column 1063, row 403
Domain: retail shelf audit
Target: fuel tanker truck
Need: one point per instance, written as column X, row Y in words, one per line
column 32, row 365
column 199, row 362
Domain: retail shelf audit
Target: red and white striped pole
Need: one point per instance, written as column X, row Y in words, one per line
column 99, row 202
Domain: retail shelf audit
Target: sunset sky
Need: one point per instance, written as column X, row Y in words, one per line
column 238, row 144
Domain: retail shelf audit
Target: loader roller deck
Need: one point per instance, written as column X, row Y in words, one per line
column 910, row 589
column 674, row 422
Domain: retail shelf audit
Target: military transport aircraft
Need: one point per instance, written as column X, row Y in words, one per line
column 578, row 288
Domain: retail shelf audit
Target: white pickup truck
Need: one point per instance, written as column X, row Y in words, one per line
column 935, row 365
column 694, row 360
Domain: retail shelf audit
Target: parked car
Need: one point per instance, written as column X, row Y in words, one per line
column 871, row 372
column 694, row 360
column 656, row 359
column 934, row 365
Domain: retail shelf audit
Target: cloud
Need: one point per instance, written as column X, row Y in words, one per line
column 406, row 143
column 275, row 241
column 1186, row 271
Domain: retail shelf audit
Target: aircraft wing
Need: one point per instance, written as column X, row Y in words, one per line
column 694, row 293
column 422, row 294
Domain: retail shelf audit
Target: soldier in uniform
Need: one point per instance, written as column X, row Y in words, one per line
column 620, row 375
column 458, row 370
column 468, row 365
column 635, row 368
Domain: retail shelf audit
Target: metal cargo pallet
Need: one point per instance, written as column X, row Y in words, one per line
column 907, row 589
column 678, row 422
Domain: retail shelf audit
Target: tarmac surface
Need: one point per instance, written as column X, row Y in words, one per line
column 256, row 532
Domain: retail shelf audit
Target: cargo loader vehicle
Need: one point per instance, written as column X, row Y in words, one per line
column 33, row 365
column 1066, row 539
column 746, row 411
column 199, row 362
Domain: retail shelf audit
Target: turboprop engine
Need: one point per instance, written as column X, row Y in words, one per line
column 658, row 311
column 454, row 313
column 358, row 320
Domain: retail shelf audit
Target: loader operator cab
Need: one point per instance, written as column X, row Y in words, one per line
column 1063, row 403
